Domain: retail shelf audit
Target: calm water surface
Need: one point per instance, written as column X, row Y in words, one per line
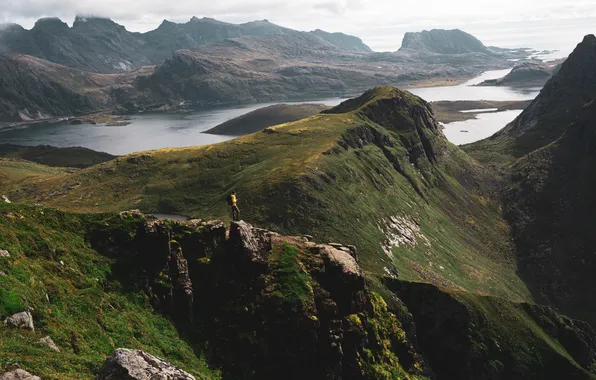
column 166, row 130
column 485, row 125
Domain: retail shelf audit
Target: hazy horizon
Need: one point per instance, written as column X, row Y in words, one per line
column 549, row 24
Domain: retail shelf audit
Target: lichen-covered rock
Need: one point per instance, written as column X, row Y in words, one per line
column 22, row 320
column 49, row 342
column 125, row 364
column 251, row 243
column 18, row 374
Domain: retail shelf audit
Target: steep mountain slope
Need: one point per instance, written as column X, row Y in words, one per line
column 551, row 205
column 100, row 45
column 549, row 115
column 36, row 89
column 443, row 42
column 33, row 88
column 92, row 44
column 266, row 117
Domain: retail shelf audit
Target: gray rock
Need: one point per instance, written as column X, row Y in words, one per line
column 18, row 374
column 251, row 243
column 125, row 364
column 308, row 237
column 22, row 320
column 2, row 274
column 50, row 343
column 4, row 253
column 5, row 199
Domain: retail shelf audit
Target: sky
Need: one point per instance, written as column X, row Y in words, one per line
column 541, row 24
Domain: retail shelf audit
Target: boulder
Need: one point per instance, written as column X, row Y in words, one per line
column 4, row 253
column 22, row 320
column 49, row 342
column 18, row 374
column 125, row 364
column 250, row 243
column 344, row 265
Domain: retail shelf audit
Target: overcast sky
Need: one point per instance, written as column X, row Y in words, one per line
column 380, row 23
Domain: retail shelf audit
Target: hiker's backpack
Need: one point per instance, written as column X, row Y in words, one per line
column 229, row 200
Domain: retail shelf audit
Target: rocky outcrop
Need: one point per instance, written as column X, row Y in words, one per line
column 18, row 374
column 50, row 343
column 127, row 364
column 268, row 306
column 23, row 320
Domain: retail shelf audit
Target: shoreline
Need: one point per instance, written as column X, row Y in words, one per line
column 108, row 119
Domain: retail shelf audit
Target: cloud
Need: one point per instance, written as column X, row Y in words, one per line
column 381, row 23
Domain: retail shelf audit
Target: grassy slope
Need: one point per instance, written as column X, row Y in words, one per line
column 76, row 157
column 265, row 117
column 15, row 171
column 286, row 182
column 80, row 304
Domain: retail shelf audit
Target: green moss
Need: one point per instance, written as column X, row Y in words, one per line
column 293, row 283
column 387, row 339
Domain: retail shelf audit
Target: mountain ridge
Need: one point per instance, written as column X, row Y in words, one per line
column 100, row 45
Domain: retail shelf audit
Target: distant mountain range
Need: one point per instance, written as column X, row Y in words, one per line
column 101, row 45
column 96, row 65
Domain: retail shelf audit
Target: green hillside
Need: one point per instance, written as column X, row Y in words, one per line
column 441, row 292
column 375, row 172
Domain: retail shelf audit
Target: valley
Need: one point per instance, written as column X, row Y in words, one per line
column 388, row 228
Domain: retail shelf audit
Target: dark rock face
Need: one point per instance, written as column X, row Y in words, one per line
column 268, row 306
column 551, row 207
column 443, row 42
column 138, row 365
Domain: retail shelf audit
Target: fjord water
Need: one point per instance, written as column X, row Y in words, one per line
column 169, row 130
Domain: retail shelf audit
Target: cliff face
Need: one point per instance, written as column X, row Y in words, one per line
column 253, row 304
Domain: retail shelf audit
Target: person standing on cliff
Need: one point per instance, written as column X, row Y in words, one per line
column 233, row 202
